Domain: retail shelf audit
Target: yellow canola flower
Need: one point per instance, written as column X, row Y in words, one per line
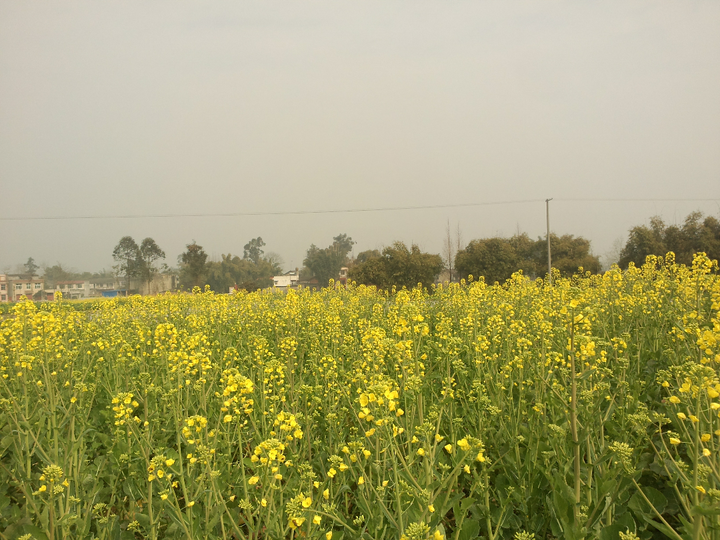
column 169, row 462
column 421, row 452
column 438, row 438
column 307, row 501
column 332, row 472
column 449, row 448
column 706, row 452
column 674, row 399
column 674, row 440
column 438, row 535
column 464, row 444
column 328, row 535
column 253, row 480
column 263, row 502
column 431, row 508
column 326, row 494
column 361, row 481
column 316, row 519
column 466, row 468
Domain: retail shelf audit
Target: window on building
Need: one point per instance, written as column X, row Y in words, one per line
column 18, row 286
column 38, row 285
column 2, row 286
column 78, row 286
column 28, row 286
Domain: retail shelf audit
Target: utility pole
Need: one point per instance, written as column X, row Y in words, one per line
column 547, row 216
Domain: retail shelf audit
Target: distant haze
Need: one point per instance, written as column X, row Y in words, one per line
column 136, row 108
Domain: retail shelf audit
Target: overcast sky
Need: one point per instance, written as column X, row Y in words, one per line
column 174, row 107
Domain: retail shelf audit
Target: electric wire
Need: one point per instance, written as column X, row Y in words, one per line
column 341, row 211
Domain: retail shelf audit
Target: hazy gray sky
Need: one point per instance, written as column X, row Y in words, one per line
column 130, row 108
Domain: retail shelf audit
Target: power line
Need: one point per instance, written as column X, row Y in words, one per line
column 340, row 211
column 283, row 213
column 637, row 200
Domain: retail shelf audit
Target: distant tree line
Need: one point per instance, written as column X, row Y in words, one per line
column 397, row 265
column 496, row 259
column 250, row 272
column 696, row 234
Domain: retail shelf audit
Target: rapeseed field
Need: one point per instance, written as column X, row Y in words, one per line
column 585, row 409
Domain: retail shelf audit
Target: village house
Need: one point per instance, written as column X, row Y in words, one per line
column 14, row 287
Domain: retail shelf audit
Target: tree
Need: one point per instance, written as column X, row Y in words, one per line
column 126, row 254
column 148, row 253
column 397, row 266
column 53, row 274
column 366, row 255
column 695, row 235
column 643, row 241
column 451, row 247
column 568, row 254
column 496, row 259
column 232, row 271
column 31, row 267
column 253, row 250
column 325, row 264
column 192, row 266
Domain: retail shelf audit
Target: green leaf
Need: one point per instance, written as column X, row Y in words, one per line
column 612, row 532
column 470, row 530
column 705, row 509
column 638, row 504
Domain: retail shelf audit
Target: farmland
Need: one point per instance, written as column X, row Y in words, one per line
column 585, row 409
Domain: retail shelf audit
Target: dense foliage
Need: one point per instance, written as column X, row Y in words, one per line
column 582, row 410
column 135, row 261
column 397, row 266
column 697, row 234
column 497, row 259
column 324, row 264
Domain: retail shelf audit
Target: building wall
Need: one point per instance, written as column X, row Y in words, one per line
column 15, row 287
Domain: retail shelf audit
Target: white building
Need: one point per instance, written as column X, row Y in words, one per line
column 288, row 280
